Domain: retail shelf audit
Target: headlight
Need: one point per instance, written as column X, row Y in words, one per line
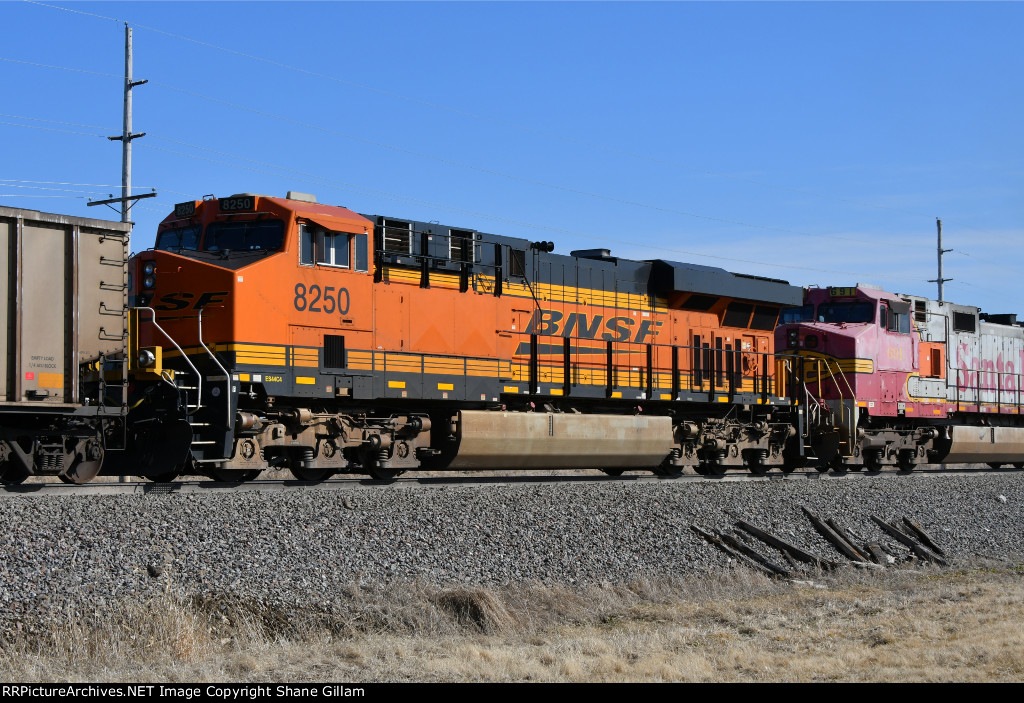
column 149, row 268
column 149, row 282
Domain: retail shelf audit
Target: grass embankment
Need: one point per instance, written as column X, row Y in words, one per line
column 853, row 626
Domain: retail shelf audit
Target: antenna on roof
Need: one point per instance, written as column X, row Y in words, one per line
column 940, row 280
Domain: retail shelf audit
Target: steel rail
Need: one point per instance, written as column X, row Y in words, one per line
column 365, row 483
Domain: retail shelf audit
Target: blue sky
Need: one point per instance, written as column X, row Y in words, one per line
column 815, row 142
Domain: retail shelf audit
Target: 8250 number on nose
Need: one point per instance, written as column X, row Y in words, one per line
column 315, row 299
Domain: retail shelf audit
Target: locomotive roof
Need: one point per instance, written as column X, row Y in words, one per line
column 676, row 276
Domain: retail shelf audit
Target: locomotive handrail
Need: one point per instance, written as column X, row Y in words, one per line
column 227, row 376
column 843, row 415
column 965, row 392
column 706, row 374
column 199, row 376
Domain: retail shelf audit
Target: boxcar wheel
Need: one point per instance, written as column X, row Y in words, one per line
column 613, row 472
column 12, row 474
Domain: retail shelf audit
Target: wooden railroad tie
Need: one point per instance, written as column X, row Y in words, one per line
column 920, row 550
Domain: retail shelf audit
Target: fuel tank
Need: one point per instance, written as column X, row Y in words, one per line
column 520, row 440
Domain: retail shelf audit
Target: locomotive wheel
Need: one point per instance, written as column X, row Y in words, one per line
column 383, row 474
column 233, row 475
column 666, row 471
column 791, row 461
column 873, row 461
column 905, row 463
column 167, row 477
column 712, row 469
column 311, row 475
column 372, row 466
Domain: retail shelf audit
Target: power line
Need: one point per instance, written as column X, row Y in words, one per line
column 450, row 162
column 40, row 119
column 49, row 129
column 504, row 123
column 341, row 185
column 60, row 68
column 513, row 177
column 59, row 190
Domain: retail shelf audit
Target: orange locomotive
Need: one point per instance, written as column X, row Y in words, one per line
column 281, row 332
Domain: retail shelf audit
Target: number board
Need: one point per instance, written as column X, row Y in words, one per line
column 245, row 202
column 185, row 209
column 842, row 292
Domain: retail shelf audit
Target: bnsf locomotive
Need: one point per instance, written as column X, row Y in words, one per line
column 277, row 332
column 293, row 334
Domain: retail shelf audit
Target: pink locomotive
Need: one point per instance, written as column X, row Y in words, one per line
column 902, row 380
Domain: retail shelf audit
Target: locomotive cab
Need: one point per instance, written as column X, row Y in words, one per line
column 857, row 348
column 226, row 275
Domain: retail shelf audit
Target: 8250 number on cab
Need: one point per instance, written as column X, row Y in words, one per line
column 315, row 299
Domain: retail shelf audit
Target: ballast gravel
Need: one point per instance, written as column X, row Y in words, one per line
column 63, row 555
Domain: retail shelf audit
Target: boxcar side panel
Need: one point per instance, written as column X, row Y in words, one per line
column 102, row 292
column 47, row 312
column 6, row 272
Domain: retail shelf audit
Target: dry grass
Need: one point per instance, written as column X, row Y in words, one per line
column 906, row 626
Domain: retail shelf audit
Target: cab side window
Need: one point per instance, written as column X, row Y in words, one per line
column 307, row 239
column 326, row 248
column 332, row 248
column 362, row 257
column 893, row 321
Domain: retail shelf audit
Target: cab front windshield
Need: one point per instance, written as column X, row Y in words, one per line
column 244, row 235
column 178, row 238
column 850, row 313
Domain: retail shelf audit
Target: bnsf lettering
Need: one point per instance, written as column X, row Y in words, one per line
column 321, row 300
column 180, row 301
column 548, row 323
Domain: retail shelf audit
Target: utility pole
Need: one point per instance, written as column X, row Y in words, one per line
column 126, row 137
column 940, row 280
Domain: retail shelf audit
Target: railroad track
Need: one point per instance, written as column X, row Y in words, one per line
column 361, row 483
